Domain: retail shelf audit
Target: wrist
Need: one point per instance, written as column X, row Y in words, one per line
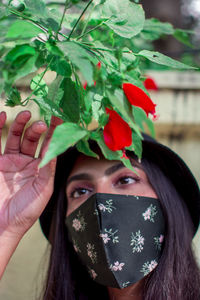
column 8, row 245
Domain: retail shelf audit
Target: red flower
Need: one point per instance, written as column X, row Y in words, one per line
column 138, row 97
column 117, row 133
column 150, row 84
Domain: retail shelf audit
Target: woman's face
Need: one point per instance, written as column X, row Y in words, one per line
column 90, row 176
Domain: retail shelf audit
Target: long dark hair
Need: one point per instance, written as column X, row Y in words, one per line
column 177, row 275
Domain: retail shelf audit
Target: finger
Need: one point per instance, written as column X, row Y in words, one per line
column 2, row 123
column 54, row 123
column 31, row 138
column 15, row 132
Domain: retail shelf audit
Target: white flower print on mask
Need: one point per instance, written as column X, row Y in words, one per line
column 79, row 223
column 137, row 242
column 109, row 235
column 105, row 237
column 117, row 266
column 108, row 207
column 150, row 213
column 148, row 267
column 125, row 284
column 159, row 241
column 91, row 253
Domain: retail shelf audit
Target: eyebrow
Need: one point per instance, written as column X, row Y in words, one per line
column 108, row 172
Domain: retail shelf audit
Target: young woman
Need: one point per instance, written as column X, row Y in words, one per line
column 115, row 234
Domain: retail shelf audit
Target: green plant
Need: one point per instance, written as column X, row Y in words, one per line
column 102, row 43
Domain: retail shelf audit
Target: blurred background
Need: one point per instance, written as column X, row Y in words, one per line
column 178, row 99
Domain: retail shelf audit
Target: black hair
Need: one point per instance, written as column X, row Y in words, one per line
column 177, row 275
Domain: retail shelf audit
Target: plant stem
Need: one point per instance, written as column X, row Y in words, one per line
column 44, row 72
column 82, row 35
column 63, row 15
column 55, row 3
column 111, row 50
column 86, row 23
column 79, row 19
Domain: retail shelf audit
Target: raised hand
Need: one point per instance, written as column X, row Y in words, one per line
column 24, row 188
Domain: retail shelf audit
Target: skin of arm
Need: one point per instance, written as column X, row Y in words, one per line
column 24, row 188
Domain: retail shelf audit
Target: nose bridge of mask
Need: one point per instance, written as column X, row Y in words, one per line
column 84, row 227
column 115, row 237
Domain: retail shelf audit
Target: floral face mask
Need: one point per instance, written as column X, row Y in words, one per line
column 118, row 238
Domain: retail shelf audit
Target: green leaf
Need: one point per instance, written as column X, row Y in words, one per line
column 54, row 49
column 61, row 67
column 183, row 36
column 36, row 8
column 23, row 29
column 121, row 104
column 70, row 100
column 103, row 119
column 21, row 67
column 97, row 109
column 86, row 117
column 124, row 17
column 151, row 127
column 84, row 147
column 51, row 23
column 49, row 107
column 132, row 78
column 108, row 154
column 47, row 117
column 28, row 67
column 162, row 59
column 128, row 58
column 38, row 85
column 141, row 119
column 14, row 98
column 127, row 164
column 19, row 50
column 55, row 93
column 136, row 146
column 153, row 29
column 80, row 58
column 64, row 136
column 110, row 59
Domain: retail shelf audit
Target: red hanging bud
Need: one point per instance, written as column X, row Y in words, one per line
column 117, row 133
column 150, row 84
column 99, row 65
column 138, row 97
column 85, row 85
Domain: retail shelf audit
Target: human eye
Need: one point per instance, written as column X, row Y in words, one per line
column 79, row 192
column 126, row 180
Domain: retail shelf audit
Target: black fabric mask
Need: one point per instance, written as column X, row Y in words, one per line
column 118, row 238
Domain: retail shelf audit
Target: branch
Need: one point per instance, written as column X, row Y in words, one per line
column 79, row 19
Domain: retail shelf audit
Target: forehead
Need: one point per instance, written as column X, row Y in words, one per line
column 85, row 164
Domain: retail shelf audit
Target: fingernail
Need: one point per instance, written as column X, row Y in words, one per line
column 41, row 123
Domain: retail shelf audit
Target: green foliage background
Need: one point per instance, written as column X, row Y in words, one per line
column 70, row 39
